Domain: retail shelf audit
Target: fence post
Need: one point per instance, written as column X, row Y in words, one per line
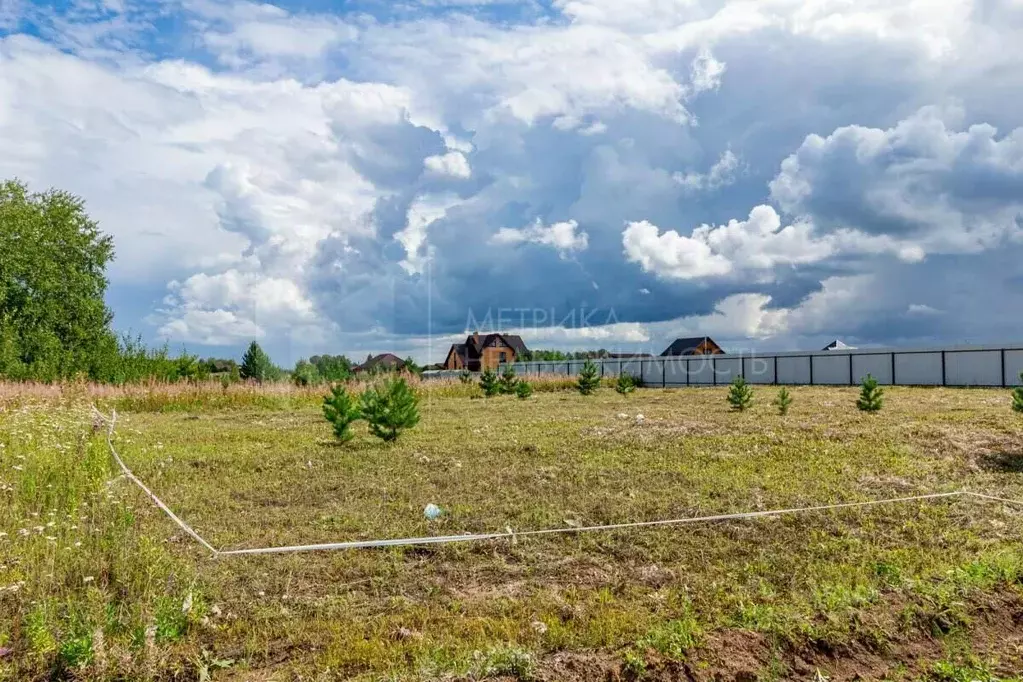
column 775, row 370
column 663, row 366
column 714, row 369
column 893, row 368
column 689, row 380
column 810, row 358
column 943, row 380
column 1003, row 367
column 850, row 370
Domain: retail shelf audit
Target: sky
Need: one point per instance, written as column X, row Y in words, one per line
column 368, row 176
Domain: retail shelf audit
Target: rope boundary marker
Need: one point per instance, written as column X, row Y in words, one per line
column 509, row 533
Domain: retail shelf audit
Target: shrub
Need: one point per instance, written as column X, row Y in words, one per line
column 390, row 408
column 870, row 399
column 508, row 381
column 523, row 390
column 783, row 401
column 740, row 394
column 305, row 374
column 626, row 384
column 588, row 378
column 1017, row 396
column 340, row 410
column 465, row 377
column 488, row 382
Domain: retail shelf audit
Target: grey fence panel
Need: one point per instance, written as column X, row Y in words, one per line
column 1013, row 367
column 878, row 366
column 634, row 368
column 758, row 370
column 611, row 367
column 794, row 370
column 652, row 372
column 918, row 369
column 676, row 372
column 701, row 371
column 576, row 366
column 726, row 368
column 980, row 368
column 831, row 369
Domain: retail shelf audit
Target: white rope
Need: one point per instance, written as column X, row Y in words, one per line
column 509, row 533
column 127, row 472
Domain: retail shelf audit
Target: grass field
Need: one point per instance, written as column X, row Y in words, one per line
column 95, row 583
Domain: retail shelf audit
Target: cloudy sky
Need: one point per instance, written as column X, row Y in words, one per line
column 378, row 175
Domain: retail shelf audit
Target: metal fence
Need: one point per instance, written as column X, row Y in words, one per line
column 951, row 366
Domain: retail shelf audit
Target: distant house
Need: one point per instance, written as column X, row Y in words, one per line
column 487, row 351
column 385, row 362
column 627, row 356
column 838, row 345
column 697, row 345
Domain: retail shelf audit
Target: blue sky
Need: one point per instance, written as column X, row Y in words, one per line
column 374, row 176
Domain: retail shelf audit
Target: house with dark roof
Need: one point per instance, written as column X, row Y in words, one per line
column 486, row 351
column 385, row 362
column 838, row 345
column 696, row 345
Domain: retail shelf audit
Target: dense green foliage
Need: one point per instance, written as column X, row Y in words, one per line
column 332, row 367
column 390, row 408
column 53, row 320
column 870, row 399
column 589, row 378
column 341, row 410
column 508, row 381
column 1017, row 396
column 256, row 365
column 783, row 401
column 523, row 389
column 489, row 383
column 306, row 374
column 740, row 394
column 626, row 384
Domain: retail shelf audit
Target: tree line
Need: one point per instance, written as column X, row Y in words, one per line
column 55, row 324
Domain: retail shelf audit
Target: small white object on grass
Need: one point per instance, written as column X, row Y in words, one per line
column 639, row 418
column 432, row 511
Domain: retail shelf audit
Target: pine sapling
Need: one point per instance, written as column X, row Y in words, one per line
column 465, row 377
column 523, row 389
column 1017, row 396
column 783, row 401
column 341, row 411
column 488, row 382
column 625, row 384
column 508, row 381
column 390, row 408
column 740, row 394
column 589, row 380
column 870, row 399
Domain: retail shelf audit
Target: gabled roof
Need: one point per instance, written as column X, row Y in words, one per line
column 389, row 360
column 838, row 345
column 626, row 356
column 687, row 345
column 478, row 343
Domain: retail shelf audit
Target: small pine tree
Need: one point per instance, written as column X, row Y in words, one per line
column 340, row 410
column 870, row 399
column 390, row 408
column 626, row 384
column 589, row 380
column 256, row 364
column 523, row 390
column 783, row 401
column 465, row 377
column 508, row 381
column 740, row 394
column 488, row 382
column 1017, row 396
